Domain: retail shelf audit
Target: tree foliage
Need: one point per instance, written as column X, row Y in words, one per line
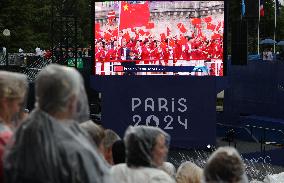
column 266, row 24
column 29, row 22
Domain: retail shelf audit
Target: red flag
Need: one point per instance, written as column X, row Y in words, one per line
column 126, row 36
column 163, row 36
column 181, row 27
column 97, row 27
column 141, row 32
column 168, row 31
column 97, row 31
column 261, row 8
column 107, row 36
column 150, row 25
column 196, row 21
column 211, row 26
column 182, row 40
column 147, row 33
column 134, row 15
column 218, row 26
column 207, row 19
column 115, row 32
column 172, row 43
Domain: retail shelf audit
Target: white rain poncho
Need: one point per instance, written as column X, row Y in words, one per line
column 225, row 165
column 275, row 178
column 48, row 150
column 139, row 167
column 139, row 143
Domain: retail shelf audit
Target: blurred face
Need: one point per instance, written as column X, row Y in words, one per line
column 158, row 44
column 10, row 107
column 14, row 105
column 160, row 151
column 123, row 42
column 147, row 44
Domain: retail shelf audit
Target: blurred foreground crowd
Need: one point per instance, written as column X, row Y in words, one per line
column 58, row 143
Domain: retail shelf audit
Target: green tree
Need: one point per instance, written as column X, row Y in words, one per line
column 30, row 22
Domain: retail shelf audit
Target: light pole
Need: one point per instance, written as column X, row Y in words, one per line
column 7, row 34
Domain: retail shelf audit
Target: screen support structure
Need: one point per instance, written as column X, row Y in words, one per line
column 64, row 31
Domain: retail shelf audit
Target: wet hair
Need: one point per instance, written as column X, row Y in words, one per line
column 95, row 131
column 110, row 138
column 225, row 165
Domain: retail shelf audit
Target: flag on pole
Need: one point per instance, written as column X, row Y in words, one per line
column 150, row 25
column 261, row 8
column 277, row 7
column 207, row 19
column 168, row 31
column 243, row 8
column 181, row 28
column 134, row 15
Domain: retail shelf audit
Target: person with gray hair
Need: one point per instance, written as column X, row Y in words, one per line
column 50, row 146
column 146, row 150
column 96, row 133
column 110, row 138
column 13, row 90
column 225, row 165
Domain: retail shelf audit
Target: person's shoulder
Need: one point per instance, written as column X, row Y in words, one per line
column 158, row 176
column 118, row 167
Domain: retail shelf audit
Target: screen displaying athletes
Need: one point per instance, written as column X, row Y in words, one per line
column 159, row 38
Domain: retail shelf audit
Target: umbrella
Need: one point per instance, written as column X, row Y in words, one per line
column 280, row 43
column 268, row 41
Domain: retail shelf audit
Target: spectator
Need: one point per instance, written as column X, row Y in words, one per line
column 13, row 87
column 225, row 165
column 269, row 55
column 118, row 152
column 38, row 52
column 96, row 133
column 146, row 149
column 189, row 172
column 50, row 146
column 169, row 168
column 110, row 138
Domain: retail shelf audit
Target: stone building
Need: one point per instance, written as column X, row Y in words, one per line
column 167, row 13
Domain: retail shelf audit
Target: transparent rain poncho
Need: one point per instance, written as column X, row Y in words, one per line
column 141, row 157
column 275, row 178
column 139, row 143
column 48, row 150
column 225, row 165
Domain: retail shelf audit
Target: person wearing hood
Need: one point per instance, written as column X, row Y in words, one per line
column 146, row 150
column 50, row 146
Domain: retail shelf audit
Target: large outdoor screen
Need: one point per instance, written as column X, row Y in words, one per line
column 159, row 38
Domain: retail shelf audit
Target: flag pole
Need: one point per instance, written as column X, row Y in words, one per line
column 275, row 22
column 119, row 40
column 258, row 27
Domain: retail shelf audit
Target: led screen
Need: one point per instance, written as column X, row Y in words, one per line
column 159, row 38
